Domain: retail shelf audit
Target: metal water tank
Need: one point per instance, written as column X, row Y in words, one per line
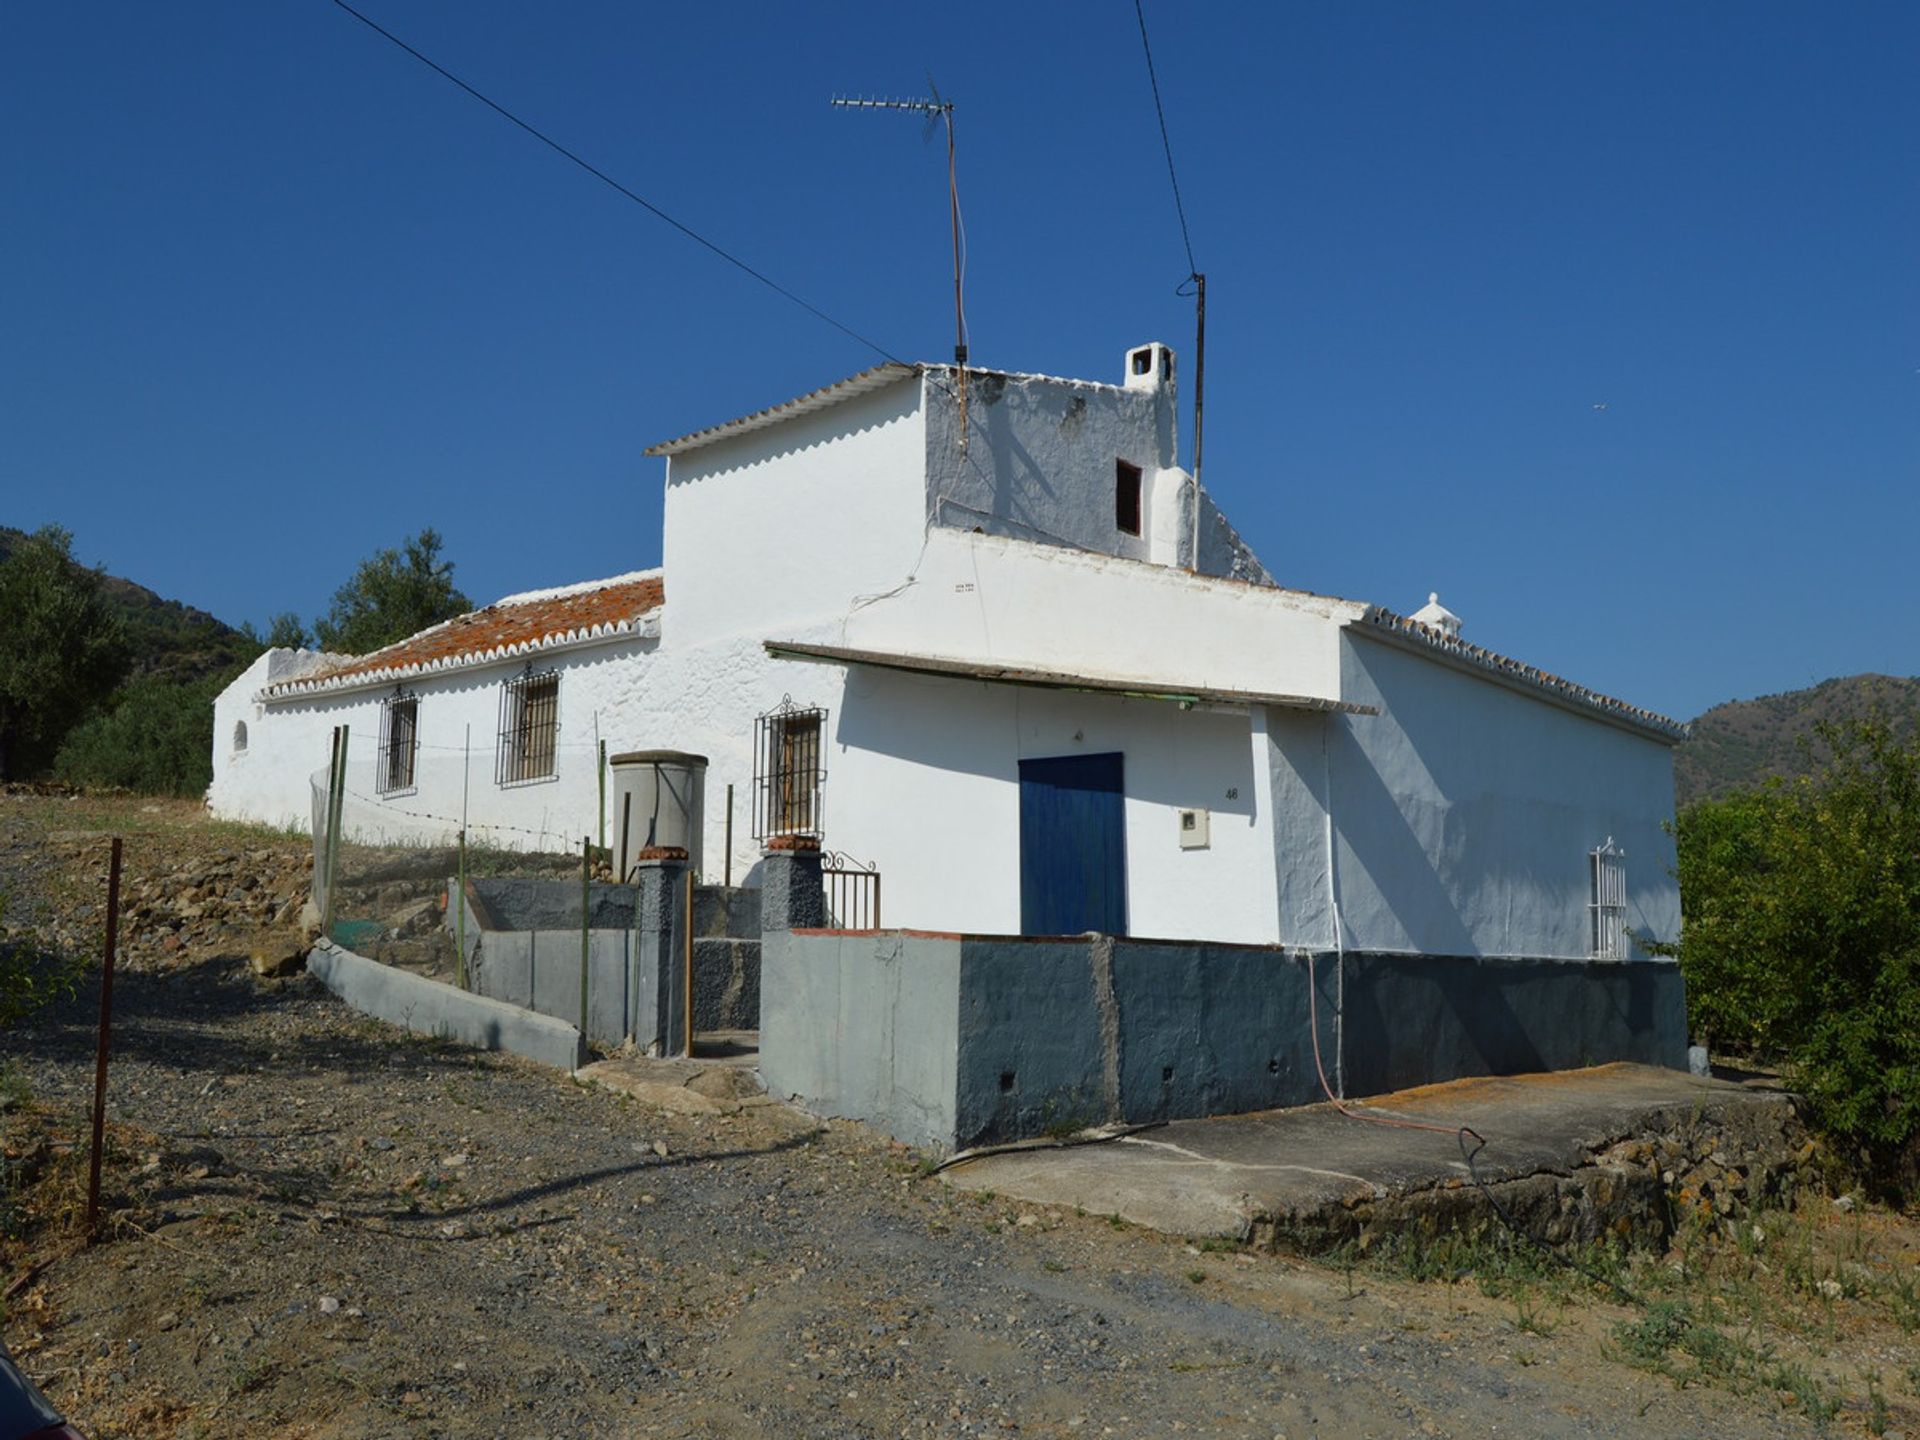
column 659, row 798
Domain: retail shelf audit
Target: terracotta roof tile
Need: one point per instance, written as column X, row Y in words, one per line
column 519, row 624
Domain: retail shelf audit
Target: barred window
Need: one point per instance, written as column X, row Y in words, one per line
column 787, row 772
column 529, row 727
column 1608, row 908
column 399, row 742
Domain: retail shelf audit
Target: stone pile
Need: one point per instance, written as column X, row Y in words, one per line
column 225, row 901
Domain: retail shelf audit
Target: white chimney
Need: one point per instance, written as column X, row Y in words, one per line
column 1149, row 367
column 1436, row 616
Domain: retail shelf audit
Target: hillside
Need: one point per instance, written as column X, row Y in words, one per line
column 168, row 639
column 1743, row 742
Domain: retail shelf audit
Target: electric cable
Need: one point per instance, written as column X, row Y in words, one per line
column 1166, row 144
column 606, row 179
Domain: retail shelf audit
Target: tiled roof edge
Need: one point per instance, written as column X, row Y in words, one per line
column 1528, row 677
column 640, row 627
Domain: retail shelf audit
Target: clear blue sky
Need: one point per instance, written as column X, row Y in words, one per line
column 273, row 296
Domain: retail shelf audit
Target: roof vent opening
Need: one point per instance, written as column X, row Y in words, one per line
column 1436, row 616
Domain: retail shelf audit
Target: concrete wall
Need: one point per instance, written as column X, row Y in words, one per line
column 523, row 948
column 1058, row 1035
column 863, row 1026
column 1411, row 1019
column 431, row 1008
column 1464, row 815
column 955, row 1041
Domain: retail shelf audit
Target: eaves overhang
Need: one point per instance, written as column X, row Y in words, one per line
column 996, row 672
column 841, row 391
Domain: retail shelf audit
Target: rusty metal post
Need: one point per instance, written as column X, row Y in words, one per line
column 106, row 1029
column 729, row 870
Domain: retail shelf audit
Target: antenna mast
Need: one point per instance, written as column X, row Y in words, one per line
column 937, row 110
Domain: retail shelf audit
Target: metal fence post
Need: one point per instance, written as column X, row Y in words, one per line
column 106, row 1028
column 460, row 915
column 586, row 934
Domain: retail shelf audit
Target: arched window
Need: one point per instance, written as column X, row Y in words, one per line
column 240, row 737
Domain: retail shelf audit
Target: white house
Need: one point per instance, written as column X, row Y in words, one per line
column 1003, row 648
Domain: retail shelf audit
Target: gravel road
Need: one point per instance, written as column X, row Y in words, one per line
column 327, row 1228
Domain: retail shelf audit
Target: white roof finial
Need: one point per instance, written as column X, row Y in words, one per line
column 1436, row 616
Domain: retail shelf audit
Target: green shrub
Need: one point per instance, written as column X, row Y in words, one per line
column 156, row 738
column 1802, row 938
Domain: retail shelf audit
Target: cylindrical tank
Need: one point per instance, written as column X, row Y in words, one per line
column 659, row 798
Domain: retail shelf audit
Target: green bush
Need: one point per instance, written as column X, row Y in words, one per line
column 157, row 738
column 1802, row 938
column 30, row 978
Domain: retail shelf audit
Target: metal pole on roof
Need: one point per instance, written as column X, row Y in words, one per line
column 1199, row 398
column 938, row 109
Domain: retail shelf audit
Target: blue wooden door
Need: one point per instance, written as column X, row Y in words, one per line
column 1073, row 846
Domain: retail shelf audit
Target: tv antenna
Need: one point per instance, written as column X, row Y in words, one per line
column 937, row 109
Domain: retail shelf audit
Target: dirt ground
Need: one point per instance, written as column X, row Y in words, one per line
column 322, row 1227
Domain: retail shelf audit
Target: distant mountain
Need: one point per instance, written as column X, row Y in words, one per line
column 168, row 639
column 1743, row 742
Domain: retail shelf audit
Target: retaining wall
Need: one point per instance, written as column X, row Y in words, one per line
column 954, row 1041
column 429, row 1007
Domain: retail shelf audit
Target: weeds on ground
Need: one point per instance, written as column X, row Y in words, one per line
column 1758, row 1305
column 1687, row 1341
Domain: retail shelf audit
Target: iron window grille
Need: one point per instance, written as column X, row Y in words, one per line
column 399, row 743
column 529, row 728
column 787, row 771
column 1608, row 878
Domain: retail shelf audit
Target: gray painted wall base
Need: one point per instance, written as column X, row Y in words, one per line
column 523, row 947
column 428, row 1007
column 952, row 1041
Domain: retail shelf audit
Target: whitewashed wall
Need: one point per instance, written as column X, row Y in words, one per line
column 459, row 721
column 1039, row 466
column 923, row 780
column 1464, row 815
column 1016, row 602
column 794, row 522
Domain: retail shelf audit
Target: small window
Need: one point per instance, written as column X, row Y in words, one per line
column 788, row 771
column 1126, row 497
column 399, row 743
column 1608, row 876
column 239, row 737
column 529, row 727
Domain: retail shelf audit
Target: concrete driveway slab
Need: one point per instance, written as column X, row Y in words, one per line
column 1294, row 1171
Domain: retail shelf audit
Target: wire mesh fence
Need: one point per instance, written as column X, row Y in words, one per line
column 517, row 909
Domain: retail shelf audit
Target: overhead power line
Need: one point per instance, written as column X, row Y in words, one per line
column 1165, row 144
column 608, row 180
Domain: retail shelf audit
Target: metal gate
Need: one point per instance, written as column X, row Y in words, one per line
column 853, row 892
